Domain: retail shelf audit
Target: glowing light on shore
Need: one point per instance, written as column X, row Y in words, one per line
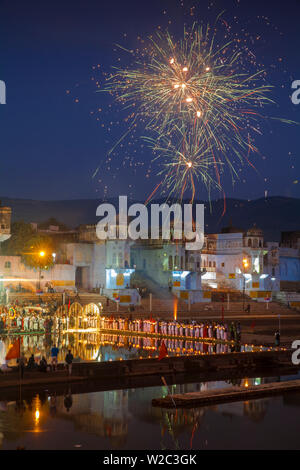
column 175, row 308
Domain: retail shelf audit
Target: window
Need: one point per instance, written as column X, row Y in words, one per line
column 223, row 265
column 7, row 264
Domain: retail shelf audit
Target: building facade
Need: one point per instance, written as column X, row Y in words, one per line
column 231, row 260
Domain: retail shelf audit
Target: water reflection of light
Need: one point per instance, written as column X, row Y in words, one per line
column 102, row 347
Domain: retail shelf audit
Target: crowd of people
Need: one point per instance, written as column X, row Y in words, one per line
column 44, row 319
column 27, row 317
column 39, row 319
column 188, row 328
column 25, row 320
column 42, row 365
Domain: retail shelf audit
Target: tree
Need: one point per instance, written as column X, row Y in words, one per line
column 52, row 221
column 35, row 249
column 21, row 233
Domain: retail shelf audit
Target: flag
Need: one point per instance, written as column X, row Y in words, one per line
column 69, row 304
column 14, row 351
column 162, row 351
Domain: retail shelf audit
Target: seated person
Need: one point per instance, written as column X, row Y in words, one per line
column 43, row 365
column 31, row 363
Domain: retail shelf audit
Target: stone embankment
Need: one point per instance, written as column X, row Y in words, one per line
column 203, row 366
column 224, row 395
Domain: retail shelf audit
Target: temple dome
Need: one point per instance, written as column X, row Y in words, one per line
column 255, row 231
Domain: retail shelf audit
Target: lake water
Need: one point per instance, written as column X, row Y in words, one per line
column 94, row 346
column 125, row 419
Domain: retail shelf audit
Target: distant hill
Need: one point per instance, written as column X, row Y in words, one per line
column 273, row 215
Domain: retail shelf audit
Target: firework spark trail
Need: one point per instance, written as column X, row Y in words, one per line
column 184, row 158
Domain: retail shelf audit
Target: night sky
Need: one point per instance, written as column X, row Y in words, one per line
column 52, row 136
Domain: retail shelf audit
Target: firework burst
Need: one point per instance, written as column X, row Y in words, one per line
column 198, row 105
column 185, row 162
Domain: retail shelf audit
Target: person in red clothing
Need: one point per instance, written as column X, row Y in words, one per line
column 163, row 352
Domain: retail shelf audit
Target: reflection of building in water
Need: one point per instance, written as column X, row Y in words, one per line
column 105, row 347
column 30, row 344
column 104, row 414
column 255, row 409
column 173, row 422
column 291, row 399
column 179, row 419
column 93, row 346
column 17, row 417
column 140, row 407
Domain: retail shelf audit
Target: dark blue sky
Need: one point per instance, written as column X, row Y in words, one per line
column 50, row 144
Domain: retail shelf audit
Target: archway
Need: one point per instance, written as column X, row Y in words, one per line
column 91, row 316
column 75, row 312
column 62, row 310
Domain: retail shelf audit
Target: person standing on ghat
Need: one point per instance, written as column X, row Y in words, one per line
column 54, row 354
column 69, row 360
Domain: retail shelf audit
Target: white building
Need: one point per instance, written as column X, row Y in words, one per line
column 232, row 260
